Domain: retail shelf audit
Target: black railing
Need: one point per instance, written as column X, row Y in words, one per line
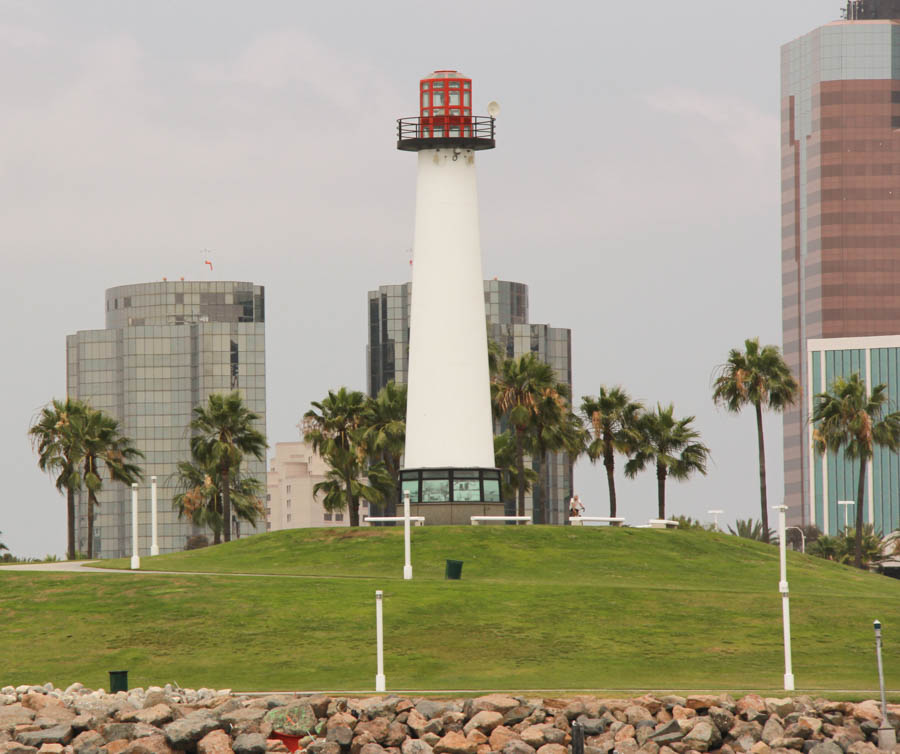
column 471, row 131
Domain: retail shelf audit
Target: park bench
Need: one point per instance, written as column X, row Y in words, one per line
column 612, row 521
column 476, row 520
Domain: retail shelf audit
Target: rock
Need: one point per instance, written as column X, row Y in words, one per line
column 215, row 742
column 12, row 715
column 683, row 713
column 477, row 737
column 494, row 703
column 431, row 738
column 780, row 707
column 183, row 734
column 249, row 743
column 553, row 749
column 341, row 718
column 59, row 734
column 84, row 722
column 379, row 706
column 624, row 733
column 867, row 710
column 750, row 703
column 760, row 747
column 156, row 744
column 342, row 735
column 454, row 743
column 293, row 719
column 396, row 735
column 703, row 736
column 158, row 715
column 377, row 728
column 787, row 743
column 518, row 714
column 360, row 741
column 533, row 735
column 500, row 736
column 485, row 721
column 88, row 742
column 517, row 746
column 453, row 720
column 826, row 747
column 701, row 701
column 667, row 733
column 415, row 746
column 863, row 747
column 772, row 730
column 329, row 747
column 14, row 747
column 722, row 718
column 635, row 714
column 39, row 701
column 117, row 746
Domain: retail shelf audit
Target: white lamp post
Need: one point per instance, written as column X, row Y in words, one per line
column 785, row 599
column 135, row 558
column 887, row 736
column 802, row 537
column 154, row 544
column 715, row 514
column 846, row 505
column 379, row 640
column 407, row 564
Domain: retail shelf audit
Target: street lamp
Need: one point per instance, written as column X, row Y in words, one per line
column 785, row 599
column 846, row 504
column 887, row 736
column 802, row 537
column 715, row 514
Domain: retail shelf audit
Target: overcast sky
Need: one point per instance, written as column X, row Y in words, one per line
column 634, row 188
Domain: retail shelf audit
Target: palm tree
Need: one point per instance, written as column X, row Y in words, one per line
column 829, row 548
column 753, row 529
column 505, row 460
column 3, row 546
column 58, row 453
column 224, row 433
column 517, row 391
column 761, row 377
column 344, row 480
column 671, row 444
column 849, row 418
column 384, row 437
column 102, row 445
column 332, row 427
column 611, row 415
column 871, row 543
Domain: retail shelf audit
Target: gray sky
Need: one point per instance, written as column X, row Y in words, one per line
column 635, row 189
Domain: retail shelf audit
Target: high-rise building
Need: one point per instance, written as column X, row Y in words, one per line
column 506, row 309
column 840, row 263
column 166, row 347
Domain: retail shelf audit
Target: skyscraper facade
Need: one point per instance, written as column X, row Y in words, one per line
column 506, row 310
column 840, row 263
column 166, row 347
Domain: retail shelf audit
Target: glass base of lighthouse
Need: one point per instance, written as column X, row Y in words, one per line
column 452, row 495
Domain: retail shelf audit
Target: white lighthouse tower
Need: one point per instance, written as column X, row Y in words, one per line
column 449, row 461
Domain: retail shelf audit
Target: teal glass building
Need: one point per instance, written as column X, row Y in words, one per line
column 166, row 347
column 834, row 477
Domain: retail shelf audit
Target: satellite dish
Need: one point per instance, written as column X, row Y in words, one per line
column 493, row 109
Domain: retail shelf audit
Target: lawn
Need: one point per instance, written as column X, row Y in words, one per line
column 537, row 608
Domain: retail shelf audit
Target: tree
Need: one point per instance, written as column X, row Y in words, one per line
column 103, row 446
column 753, row 529
column 517, row 392
column 761, row 377
column 829, row 548
column 224, row 434
column 611, row 415
column 384, row 437
column 848, row 418
column 344, row 481
column 58, row 452
column 505, row 459
column 3, row 546
column 871, row 543
column 671, row 444
column 332, row 427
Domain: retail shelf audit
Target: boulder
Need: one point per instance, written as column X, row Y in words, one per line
column 485, row 721
column 341, row 718
column 553, row 749
column 379, row 706
column 88, row 742
column 494, row 703
column 59, row 734
column 683, row 713
column 453, row 720
column 183, row 734
column 14, row 747
column 396, row 735
column 863, row 747
column 722, row 718
column 704, row 736
column 667, row 733
column 156, row 744
column 760, row 747
column 12, row 715
column 771, row 730
column 518, row 714
column 780, row 707
column 751, row 703
column 249, row 743
column 624, row 733
column 533, row 735
column 500, row 736
column 867, row 710
column 415, row 746
column 359, row 741
column 215, row 742
column 701, row 701
column 377, row 728
column 787, row 743
column 38, row 702
column 319, row 703
column 330, row 747
column 517, row 746
column 635, row 714
column 454, row 743
column 342, row 735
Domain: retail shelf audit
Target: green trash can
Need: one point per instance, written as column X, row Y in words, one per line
column 453, row 570
column 118, row 681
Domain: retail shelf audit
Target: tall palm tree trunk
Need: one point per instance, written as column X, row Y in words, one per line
column 661, row 488
column 609, row 462
column 352, row 504
column 90, row 546
column 763, row 501
column 226, row 504
column 860, row 496
column 70, row 512
column 520, row 473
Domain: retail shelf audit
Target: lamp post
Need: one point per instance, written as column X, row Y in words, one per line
column 846, row 504
column 785, row 599
column 407, row 564
column 802, row 537
column 379, row 639
column 887, row 736
column 715, row 514
column 154, row 535
column 135, row 558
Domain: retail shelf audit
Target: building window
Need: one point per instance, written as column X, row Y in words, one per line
column 288, row 516
column 268, row 497
column 288, row 502
column 268, row 525
column 328, row 517
column 338, row 516
column 288, row 489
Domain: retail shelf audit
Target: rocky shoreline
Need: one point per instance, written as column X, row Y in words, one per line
column 46, row 720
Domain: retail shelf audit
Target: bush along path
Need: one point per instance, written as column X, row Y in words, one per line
column 45, row 720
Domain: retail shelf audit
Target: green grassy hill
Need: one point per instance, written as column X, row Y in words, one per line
column 537, row 608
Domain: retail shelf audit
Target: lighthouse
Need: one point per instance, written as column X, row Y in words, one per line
column 449, row 468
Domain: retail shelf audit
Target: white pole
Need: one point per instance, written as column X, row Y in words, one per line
column 785, row 598
column 846, row 505
column 715, row 514
column 407, row 564
column 887, row 736
column 379, row 639
column 135, row 558
column 154, row 544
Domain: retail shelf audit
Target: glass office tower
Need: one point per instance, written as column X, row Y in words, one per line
column 506, row 309
column 840, row 263
column 166, row 347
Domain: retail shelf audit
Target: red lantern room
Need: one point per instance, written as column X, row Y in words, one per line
column 445, row 116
